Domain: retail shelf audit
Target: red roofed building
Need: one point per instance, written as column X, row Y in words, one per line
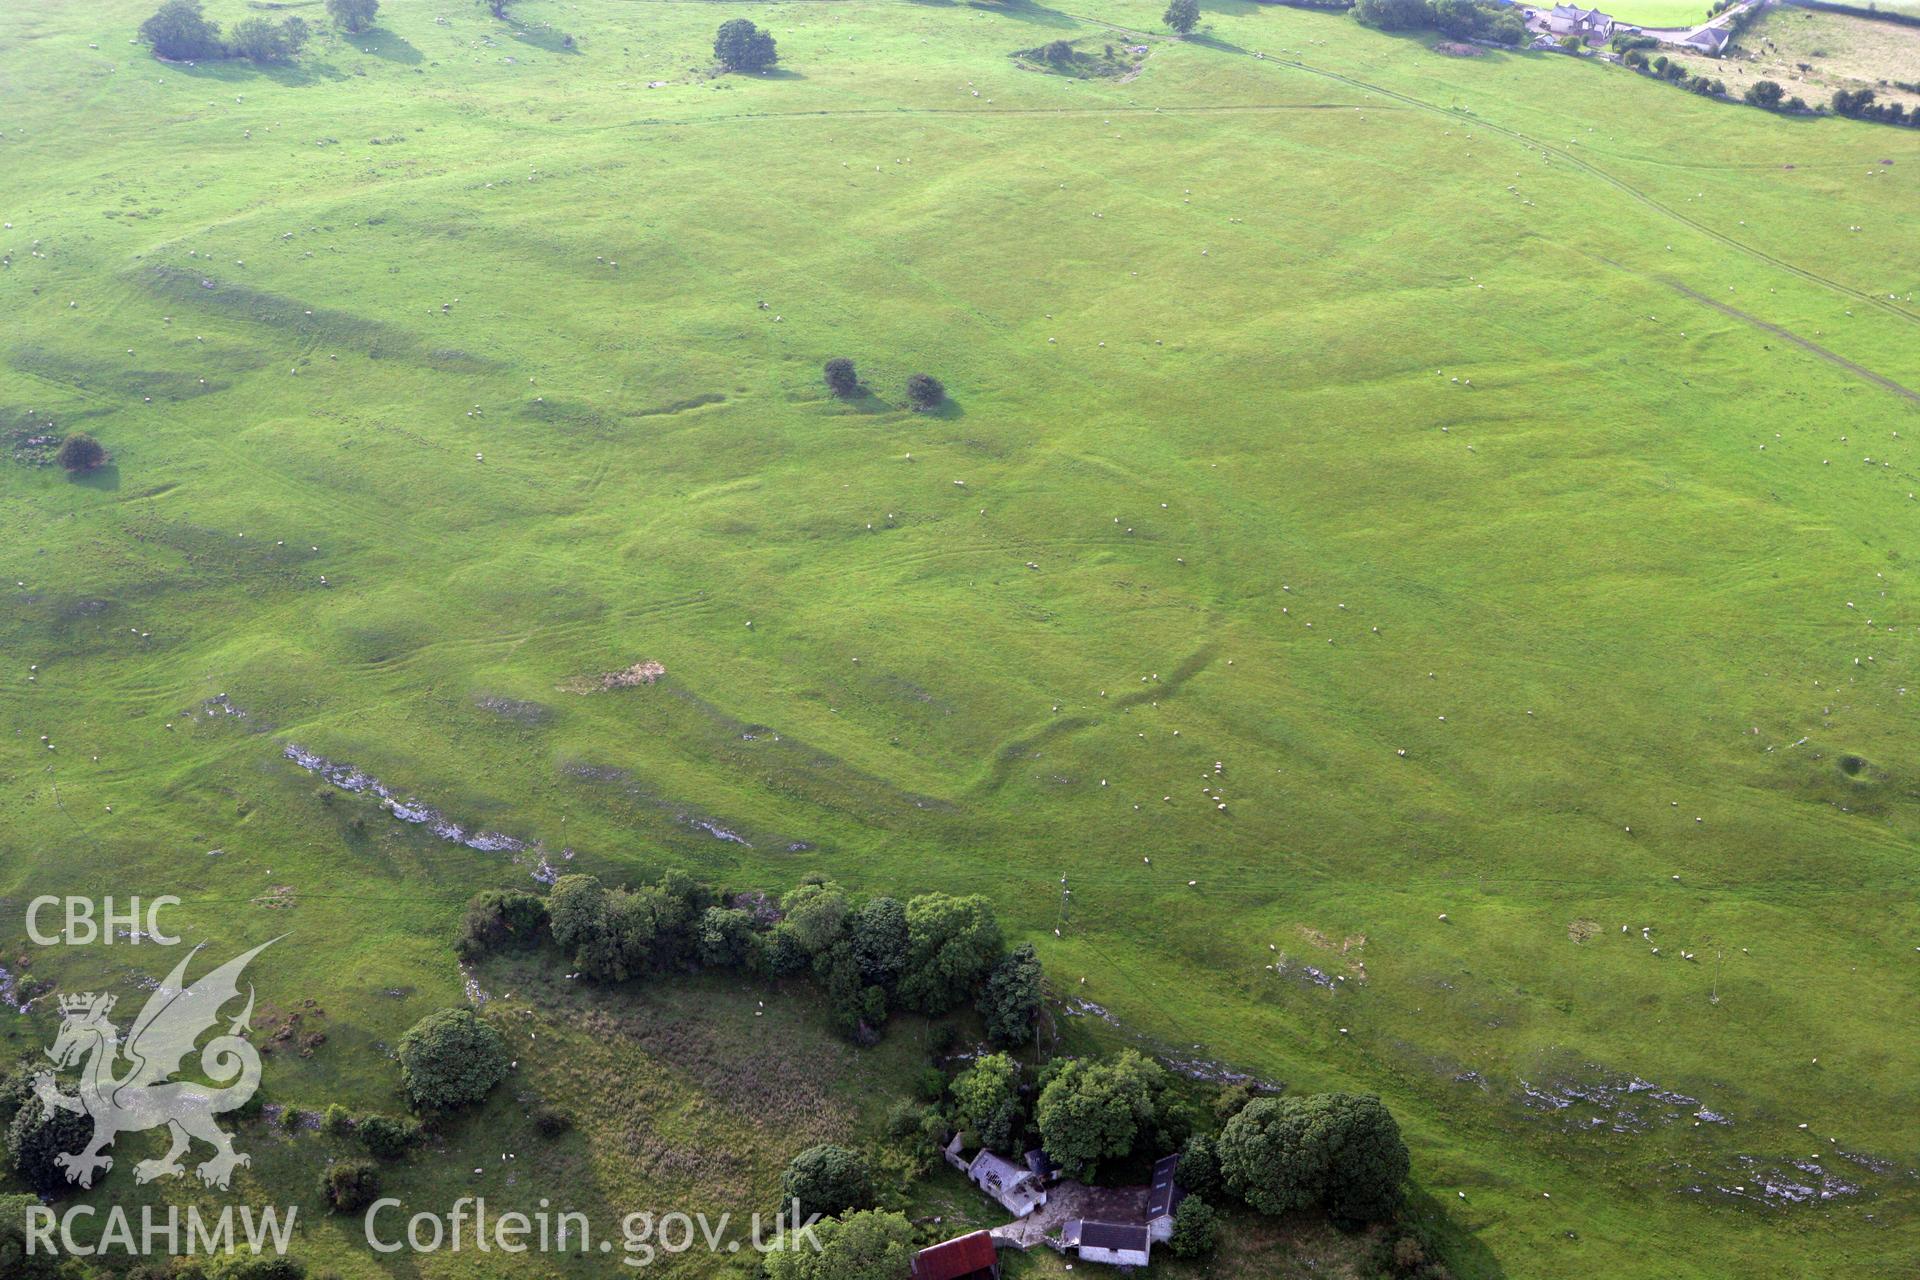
column 970, row 1257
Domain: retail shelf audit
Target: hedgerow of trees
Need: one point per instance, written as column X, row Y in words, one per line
column 931, row 954
column 180, row 31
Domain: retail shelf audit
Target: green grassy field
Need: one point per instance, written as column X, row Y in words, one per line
column 1659, row 13
column 1316, row 399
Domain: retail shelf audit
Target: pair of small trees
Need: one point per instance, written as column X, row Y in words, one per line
column 180, row 32
column 924, row 391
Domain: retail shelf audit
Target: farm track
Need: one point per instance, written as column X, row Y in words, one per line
column 1858, row 371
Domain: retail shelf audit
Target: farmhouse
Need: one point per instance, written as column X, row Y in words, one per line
column 1163, row 1197
column 968, row 1257
column 1708, row 40
column 1591, row 25
column 1016, row 1188
column 1119, row 1244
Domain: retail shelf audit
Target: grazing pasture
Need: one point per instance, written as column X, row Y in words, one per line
column 1420, row 547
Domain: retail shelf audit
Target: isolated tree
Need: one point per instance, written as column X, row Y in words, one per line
column 354, row 15
column 451, row 1059
column 925, row 391
column 1011, row 999
column 1195, row 1227
column 498, row 8
column 35, row 1138
column 1182, row 15
column 952, row 943
column 827, row 1180
column 841, row 378
column 1339, row 1151
column 869, row 1245
column 80, row 452
column 741, row 46
column 986, row 1100
column 179, row 32
column 260, row 40
column 1392, row 15
column 350, row 1185
column 1765, row 93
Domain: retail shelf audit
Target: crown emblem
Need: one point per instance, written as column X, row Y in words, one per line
column 86, row 1002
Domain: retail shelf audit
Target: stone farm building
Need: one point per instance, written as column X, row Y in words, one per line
column 1120, row 1244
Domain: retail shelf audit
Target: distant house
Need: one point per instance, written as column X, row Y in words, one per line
column 1163, row 1197
column 970, row 1257
column 1017, row 1188
column 1117, row 1244
column 1591, row 25
column 1708, row 40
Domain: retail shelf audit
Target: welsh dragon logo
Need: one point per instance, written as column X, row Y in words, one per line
column 144, row 1095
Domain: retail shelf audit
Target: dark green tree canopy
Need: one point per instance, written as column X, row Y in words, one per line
column 862, row 1246
column 179, row 32
column 1092, row 1111
column 354, row 15
column 451, row 1059
column 1182, row 15
column 35, row 1138
column 1012, row 997
column 1338, row 1151
column 952, row 943
column 741, row 46
column 827, row 1180
column 80, row 452
column 925, row 391
column 1393, row 15
column 842, row 380
column 986, row 1101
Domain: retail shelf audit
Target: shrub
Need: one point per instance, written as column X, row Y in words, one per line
column 1195, row 1227
column 180, row 33
column 15, row 1262
column 80, row 452
column 337, row 1121
column 350, row 1185
column 501, row 918
column 386, row 1137
column 931, row 1083
column 263, row 41
column 925, row 391
column 551, row 1122
column 1182, row 15
column 354, row 15
column 741, row 46
column 1765, row 94
column 827, row 1180
column 841, row 378
column 451, row 1059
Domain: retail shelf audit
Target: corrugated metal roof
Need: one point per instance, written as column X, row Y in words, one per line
column 962, row 1256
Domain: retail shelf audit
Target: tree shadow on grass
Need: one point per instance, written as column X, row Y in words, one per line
column 105, row 477
column 547, row 38
column 1027, row 11
column 240, row 71
column 778, row 73
column 382, row 43
column 1466, row 1254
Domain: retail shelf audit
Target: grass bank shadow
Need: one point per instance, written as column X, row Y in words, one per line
column 1026, row 11
column 382, row 43
column 105, row 477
